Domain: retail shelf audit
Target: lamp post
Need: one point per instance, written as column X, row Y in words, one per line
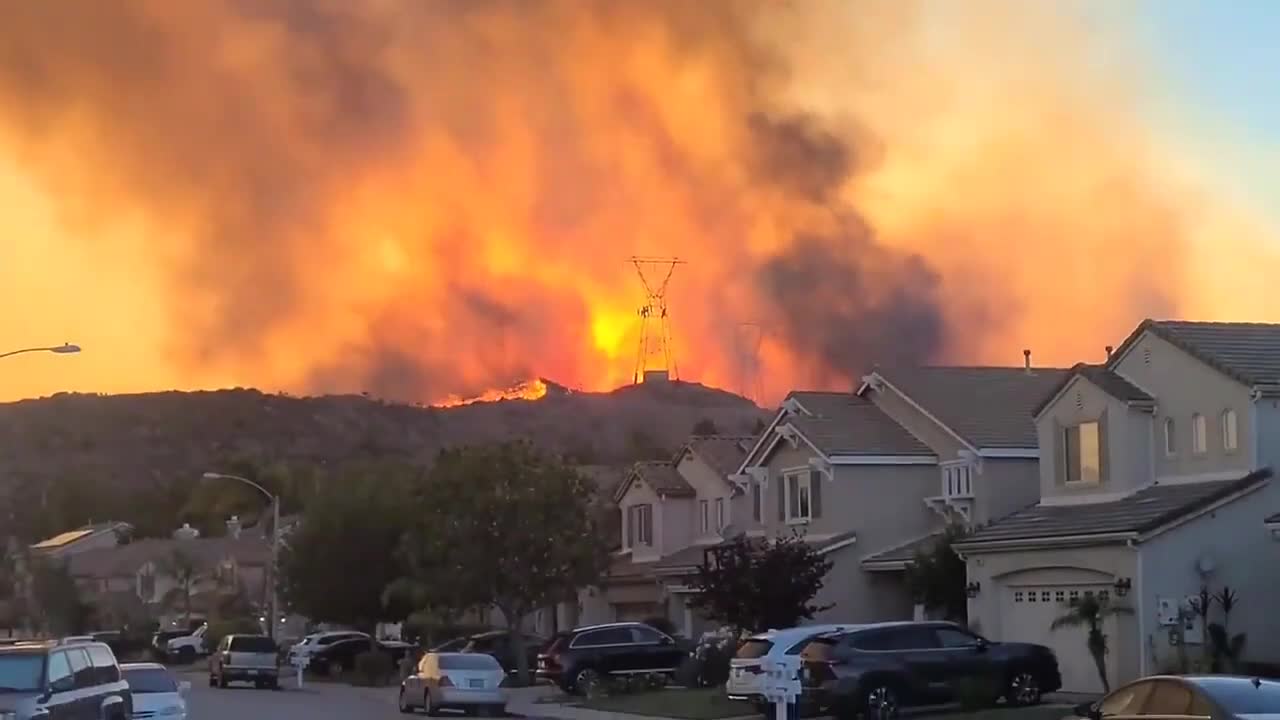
column 64, row 349
column 275, row 540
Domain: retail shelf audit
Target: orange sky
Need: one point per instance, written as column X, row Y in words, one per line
column 429, row 199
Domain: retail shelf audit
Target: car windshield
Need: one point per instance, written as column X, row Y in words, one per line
column 21, row 673
column 1239, row 696
column 252, row 644
column 150, row 680
column 754, row 648
column 468, row 662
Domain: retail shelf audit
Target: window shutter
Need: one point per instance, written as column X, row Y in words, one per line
column 815, row 494
column 782, row 499
column 630, row 521
column 757, row 502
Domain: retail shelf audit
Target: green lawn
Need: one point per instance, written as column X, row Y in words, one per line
column 711, row 704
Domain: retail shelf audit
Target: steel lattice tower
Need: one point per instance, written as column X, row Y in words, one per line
column 655, row 341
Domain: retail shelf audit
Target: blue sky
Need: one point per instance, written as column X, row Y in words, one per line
column 1217, row 65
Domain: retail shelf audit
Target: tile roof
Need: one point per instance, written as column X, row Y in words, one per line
column 661, row 475
column 125, row 560
column 990, row 407
column 904, row 552
column 845, row 424
column 724, row 453
column 1249, row 352
column 1109, row 381
column 1143, row 511
column 692, row 556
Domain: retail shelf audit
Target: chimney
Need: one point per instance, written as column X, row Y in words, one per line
column 186, row 532
column 1109, row 351
column 233, row 526
column 1026, row 359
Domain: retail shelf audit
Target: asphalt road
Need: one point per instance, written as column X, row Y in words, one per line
column 313, row 702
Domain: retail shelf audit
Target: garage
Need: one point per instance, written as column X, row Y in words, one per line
column 1029, row 612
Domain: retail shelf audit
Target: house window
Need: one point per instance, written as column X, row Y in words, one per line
column 757, row 502
column 1170, row 437
column 1199, row 435
column 639, row 525
column 721, row 520
column 799, row 494
column 705, row 509
column 1083, row 454
column 146, row 585
column 1230, row 436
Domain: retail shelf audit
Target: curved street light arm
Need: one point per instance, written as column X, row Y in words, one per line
column 220, row 476
column 59, row 349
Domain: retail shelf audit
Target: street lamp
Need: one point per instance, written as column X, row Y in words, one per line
column 275, row 539
column 64, row 349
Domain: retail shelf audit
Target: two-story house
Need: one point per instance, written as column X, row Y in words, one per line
column 872, row 477
column 670, row 511
column 1154, row 481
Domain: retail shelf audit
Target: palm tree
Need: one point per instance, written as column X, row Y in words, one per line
column 185, row 573
column 1090, row 612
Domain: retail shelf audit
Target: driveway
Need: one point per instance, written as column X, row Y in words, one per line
column 315, row 701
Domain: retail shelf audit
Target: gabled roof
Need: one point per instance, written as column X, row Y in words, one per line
column 1108, row 381
column 900, row 555
column 205, row 554
column 1143, row 511
column 69, row 537
column 845, row 424
column 722, row 453
column 986, row 407
column 661, row 475
column 1247, row 352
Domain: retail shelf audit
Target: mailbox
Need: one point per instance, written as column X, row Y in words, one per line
column 782, row 684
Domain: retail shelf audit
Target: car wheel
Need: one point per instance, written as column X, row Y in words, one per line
column 1023, row 690
column 222, row 681
column 213, row 681
column 880, row 702
column 588, row 683
column 405, row 707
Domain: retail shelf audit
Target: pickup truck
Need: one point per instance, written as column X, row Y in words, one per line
column 245, row 658
column 187, row 648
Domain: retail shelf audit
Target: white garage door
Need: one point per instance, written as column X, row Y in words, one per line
column 1028, row 617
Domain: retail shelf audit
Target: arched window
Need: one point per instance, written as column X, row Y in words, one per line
column 1230, row 432
column 1170, row 437
column 1199, row 434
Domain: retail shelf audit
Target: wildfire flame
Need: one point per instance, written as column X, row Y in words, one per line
column 534, row 389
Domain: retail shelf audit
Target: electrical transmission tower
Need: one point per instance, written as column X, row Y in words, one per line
column 655, row 328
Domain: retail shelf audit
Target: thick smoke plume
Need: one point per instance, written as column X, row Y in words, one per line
column 425, row 198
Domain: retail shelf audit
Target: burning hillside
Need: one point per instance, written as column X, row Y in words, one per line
column 534, row 389
column 425, row 199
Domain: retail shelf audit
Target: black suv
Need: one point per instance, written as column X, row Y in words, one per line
column 498, row 644
column 49, row 681
column 578, row 660
column 877, row 669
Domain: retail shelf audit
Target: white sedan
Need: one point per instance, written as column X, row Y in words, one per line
column 156, row 692
column 461, row 681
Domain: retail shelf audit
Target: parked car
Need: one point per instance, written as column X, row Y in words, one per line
column 186, row 648
column 156, row 691
column 746, row 674
column 339, row 657
column 51, row 680
column 876, row 670
column 245, row 658
column 1220, row 697
column 317, row 641
column 459, row 681
column 578, row 661
column 496, row 643
column 160, row 640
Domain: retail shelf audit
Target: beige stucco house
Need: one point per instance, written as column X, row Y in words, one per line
column 1154, row 480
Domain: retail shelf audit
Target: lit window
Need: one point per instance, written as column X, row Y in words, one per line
column 798, row 496
column 1082, row 452
column 705, row 511
column 1230, row 434
column 1199, row 434
column 1170, row 437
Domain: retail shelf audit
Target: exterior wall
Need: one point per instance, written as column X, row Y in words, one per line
column 675, row 531
column 1003, row 486
column 1182, row 385
column 709, row 486
column 858, row 596
column 1244, row 557
column 1125, row 437
column 998, row 573
column 1264, row 437
column 641, row 494
column 940, row 440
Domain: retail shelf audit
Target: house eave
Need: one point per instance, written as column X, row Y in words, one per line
column 1046, row 543
column 883, row 460
column 1027, row 453
column 885, row 565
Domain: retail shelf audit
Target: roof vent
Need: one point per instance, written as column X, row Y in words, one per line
column 186, row 532
column 1146, row 355
column 1109, row 351
column 1026, row 359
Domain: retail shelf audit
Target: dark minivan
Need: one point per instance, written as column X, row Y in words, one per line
column 878, row 669
column 62, row 682
column 578, row 660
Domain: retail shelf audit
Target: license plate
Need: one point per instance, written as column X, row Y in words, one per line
column 476, row 684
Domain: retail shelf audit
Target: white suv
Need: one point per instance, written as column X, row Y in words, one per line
column 318, row 641
column 746, row 677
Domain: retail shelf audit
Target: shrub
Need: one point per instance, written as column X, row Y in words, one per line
column 373, row 669
column 708, row 664
column 222, row 628
column 976, row 693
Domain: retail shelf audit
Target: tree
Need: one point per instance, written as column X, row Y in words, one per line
column 705, row 426
column 185, row 573
column 937, row 576
column 1090, row 612
column 337, row 564
column 505, row 526
column 754, row 584
column 57, row 605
